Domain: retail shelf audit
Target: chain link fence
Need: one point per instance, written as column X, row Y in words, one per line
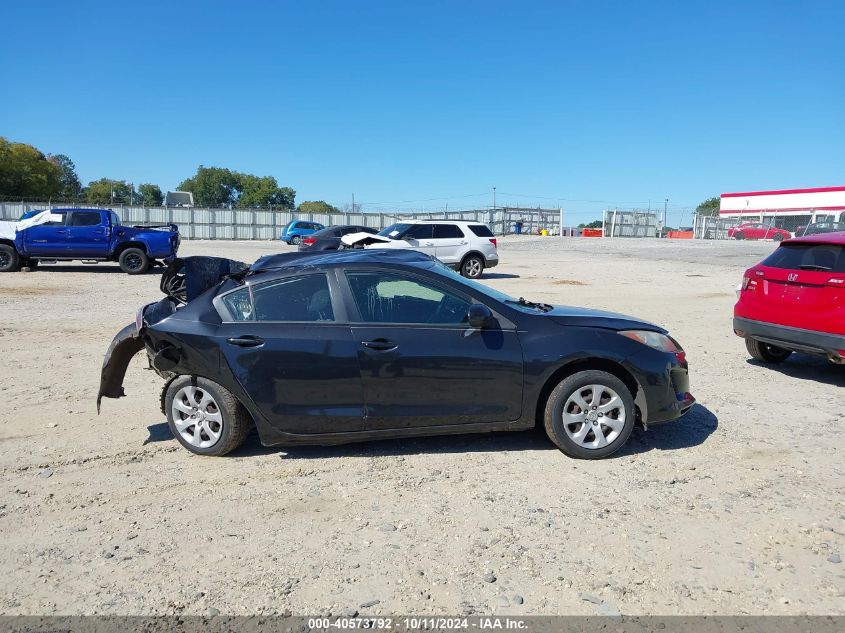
column 263, row 224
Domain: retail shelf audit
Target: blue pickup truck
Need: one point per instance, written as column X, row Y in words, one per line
column 88, row 235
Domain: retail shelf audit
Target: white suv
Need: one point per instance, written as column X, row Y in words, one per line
column 468, row 247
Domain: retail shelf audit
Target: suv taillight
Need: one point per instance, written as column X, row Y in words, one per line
column 493, row 241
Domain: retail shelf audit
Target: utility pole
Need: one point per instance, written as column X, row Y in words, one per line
column 494, row 198
column 663, row 225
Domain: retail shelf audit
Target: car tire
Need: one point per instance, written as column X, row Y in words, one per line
column 472, row 266
column 223, row 423
column 765, row 352
column 739, row 236
column 133, row 261
column 778, row 237
column 572, row 435
column 10, row 261
column 296, row 240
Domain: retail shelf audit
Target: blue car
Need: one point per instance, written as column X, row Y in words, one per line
column 297, row 229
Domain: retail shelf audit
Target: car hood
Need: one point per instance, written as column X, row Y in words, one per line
column 570, row 315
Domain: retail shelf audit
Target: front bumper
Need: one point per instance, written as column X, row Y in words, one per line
column 831, row 346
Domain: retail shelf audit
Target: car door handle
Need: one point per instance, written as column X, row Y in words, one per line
column 246, row 341
column 380, row 345
column 429, row 243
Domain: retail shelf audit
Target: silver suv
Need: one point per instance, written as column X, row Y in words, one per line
column 468, row 247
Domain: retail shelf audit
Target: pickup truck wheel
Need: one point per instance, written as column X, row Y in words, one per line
column 590, row 414
column 10, row 261
column 134, row 261
column 205, row 417
column 765, row 352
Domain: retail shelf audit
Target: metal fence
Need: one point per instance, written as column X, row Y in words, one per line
column 631, row 223
column 260, row 224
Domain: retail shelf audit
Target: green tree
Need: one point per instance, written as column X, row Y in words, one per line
column 709, row 207
column 151, row 195
column 595, row 224
column 108, row 191
column 261, row 191
column 212, row 186
column 26, row 173
column 71, row 187
column 316, row 206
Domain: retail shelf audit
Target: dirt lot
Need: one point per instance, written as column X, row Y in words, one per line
column 738, row 508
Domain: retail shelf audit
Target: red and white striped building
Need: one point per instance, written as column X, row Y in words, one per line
column 786, row 208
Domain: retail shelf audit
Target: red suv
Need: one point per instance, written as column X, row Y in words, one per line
column 758, row 231
column 794, row 300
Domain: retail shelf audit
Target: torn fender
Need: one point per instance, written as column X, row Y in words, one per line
column 363, row 239
column 123, row 347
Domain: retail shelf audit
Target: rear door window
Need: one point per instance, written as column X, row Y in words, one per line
column 293, row 299
column 821, row 257
column 446, row 231
column 84, row 218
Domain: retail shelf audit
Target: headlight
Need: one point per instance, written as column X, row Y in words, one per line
column 658, row 341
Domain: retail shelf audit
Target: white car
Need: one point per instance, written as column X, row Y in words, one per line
column 468, row 247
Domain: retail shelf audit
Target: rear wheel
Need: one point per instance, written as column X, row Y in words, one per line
column 134, row 261
column 472, row 267
column 590, row 414
column 296, row 240
column 765, row 352
column 205, row 417
column 778, row 237
column 10, row 261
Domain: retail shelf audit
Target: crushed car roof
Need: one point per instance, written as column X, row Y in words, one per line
column 346, row 256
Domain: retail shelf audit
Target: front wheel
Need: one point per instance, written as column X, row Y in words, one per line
column 10, row 261
column 134, row 261
column 739, row 236
column 472, row 267
column 205, row 417
column 765, row 352
column 590, row 414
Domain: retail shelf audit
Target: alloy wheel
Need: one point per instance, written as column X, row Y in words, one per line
column 133, row 261
column 472, row 268
column 197, row 417
column 5, row 260
column 594, row 416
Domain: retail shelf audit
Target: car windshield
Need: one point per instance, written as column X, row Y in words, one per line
column 519, row 304
column 395, row 230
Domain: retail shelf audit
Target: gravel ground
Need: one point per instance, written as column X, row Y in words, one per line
column 737, row 508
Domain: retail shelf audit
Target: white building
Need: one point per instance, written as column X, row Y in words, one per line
column 786, row 208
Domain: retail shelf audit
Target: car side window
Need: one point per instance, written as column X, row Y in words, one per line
column 293, row 299
column 446, row 231
column 299, row 299
column 383, row 297
column 419, row 232
column 85, row 218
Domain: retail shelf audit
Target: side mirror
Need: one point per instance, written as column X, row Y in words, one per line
column 479, row 316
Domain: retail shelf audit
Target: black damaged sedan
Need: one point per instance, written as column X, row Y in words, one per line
column 359, row 345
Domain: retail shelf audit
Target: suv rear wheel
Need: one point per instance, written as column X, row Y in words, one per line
column 472, row 267
column 765, row 352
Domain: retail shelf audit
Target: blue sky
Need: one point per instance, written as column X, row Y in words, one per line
column 426, row 104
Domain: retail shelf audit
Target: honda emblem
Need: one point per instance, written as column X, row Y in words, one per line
column 792, row 276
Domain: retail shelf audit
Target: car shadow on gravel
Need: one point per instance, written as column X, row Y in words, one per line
column 499, row 276
column 91, row 268
column 691, row 430
column 806, row 367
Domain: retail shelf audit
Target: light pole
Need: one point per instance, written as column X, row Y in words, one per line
column 663, row 225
